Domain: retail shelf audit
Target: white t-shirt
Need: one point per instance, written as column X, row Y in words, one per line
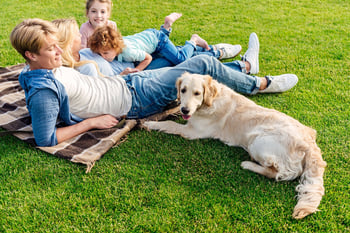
column 91, row 96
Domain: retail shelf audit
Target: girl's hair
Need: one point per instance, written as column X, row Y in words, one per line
column 67, row 31
column 90, row 2
column 30, row 35
column 105, row 38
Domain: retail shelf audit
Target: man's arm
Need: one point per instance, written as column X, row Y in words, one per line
column 44, row 109
column 99, row 122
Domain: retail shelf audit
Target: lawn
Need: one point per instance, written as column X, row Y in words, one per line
column 154, row 182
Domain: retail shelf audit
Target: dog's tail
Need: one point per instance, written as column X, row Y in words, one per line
column 310, row 190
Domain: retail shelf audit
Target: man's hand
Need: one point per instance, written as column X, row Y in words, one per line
column 102, row 122
column 99, row 122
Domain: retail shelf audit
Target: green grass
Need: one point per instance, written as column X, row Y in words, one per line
column 155, row 182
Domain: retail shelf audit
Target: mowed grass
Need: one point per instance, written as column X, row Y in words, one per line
column 155, row 182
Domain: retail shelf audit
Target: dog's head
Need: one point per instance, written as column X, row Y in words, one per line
column 195, row 90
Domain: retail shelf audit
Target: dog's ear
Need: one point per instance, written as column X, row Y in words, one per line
column 178, row 85
column 210, row 90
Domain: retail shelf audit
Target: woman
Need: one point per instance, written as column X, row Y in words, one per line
column 69, row 37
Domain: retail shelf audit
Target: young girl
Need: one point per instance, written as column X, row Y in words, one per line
column 98, row 13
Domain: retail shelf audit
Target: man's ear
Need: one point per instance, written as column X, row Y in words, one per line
column 31, row 56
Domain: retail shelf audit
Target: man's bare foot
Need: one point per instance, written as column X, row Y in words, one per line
column 170, row 19
column 199, row 41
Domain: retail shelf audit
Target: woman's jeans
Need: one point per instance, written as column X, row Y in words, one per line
column 153, row 90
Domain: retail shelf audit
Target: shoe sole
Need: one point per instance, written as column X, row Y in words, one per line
column 232, row 56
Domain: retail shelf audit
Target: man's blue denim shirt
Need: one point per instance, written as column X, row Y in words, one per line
column 47, row 101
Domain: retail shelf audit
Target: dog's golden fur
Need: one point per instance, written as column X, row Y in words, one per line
column 281, row 147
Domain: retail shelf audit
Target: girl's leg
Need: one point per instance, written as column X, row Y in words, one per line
column 169, row 51
column 211, row 52
column 175, row 55
column 168, row 22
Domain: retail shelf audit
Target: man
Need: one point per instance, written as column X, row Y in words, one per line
column 55, row 92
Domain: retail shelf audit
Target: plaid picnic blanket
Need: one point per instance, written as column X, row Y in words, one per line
column 86, row 148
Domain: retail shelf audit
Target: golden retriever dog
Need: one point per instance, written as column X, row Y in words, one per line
column 280, row 147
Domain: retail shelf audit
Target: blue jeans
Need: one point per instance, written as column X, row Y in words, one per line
column 153, row 90
column 159, row 61
column 168, row 50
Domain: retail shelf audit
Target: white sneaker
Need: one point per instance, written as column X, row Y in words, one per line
column 228, row 50
column 252, row 54
column 280, row 83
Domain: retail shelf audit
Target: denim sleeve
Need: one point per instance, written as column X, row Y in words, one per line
column 44, row 108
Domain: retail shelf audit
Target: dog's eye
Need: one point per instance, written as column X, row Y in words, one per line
column 183, row 90
column 197, row 93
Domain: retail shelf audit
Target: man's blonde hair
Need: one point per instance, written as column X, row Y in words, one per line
column 30, row 35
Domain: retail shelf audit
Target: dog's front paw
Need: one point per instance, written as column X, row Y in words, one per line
column 150, row 125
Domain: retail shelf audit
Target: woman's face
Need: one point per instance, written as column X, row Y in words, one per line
column 98, row 14
column 76, row 43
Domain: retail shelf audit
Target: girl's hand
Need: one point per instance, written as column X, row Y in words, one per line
column 129, row 71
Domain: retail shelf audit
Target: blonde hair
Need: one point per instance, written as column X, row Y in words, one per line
column 30, row 35
column 67, row 31
column 90, row 2
column 106, row 37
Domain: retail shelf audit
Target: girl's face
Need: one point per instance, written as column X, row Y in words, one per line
column 98, row 14
column 108, row 54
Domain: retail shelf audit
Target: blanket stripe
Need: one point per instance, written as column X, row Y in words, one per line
column 86, row 148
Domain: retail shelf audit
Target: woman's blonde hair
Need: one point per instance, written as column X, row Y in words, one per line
column 67, row 31
column 30, row 35
column 105, row 38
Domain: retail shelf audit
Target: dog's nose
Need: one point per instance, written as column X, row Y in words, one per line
column 185, row 110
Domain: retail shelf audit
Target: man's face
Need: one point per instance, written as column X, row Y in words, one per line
column 49, row 56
